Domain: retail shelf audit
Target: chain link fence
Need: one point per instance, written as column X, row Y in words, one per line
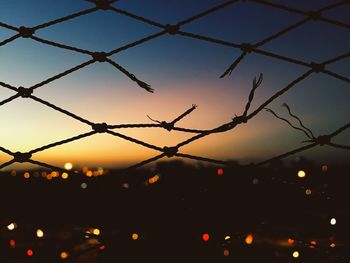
column 313, row 67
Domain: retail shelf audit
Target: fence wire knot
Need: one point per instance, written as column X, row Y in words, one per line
column 102, row 4
column 166, row 125
column 99, row 56
column 314, row 15
column 24, row 92
column 323, row 139
column 175, row 29
column 172, row 29
column 100, row 127
column 240, row 119
column 246, row 47
column 26, row 31
column 170, row 151
column 317, row 67
column 21, row 157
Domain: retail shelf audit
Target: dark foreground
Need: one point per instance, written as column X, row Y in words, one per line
column 178, row 213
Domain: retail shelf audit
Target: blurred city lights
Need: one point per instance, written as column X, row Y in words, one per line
column 226, row 252
column 103, row 247
column 96, row 232
column 308, row 192
column 290, row 241
column 205, row 237
column 135, row 236
column 65, row 176
column 26, row 175
column 324, row 168
column 64, row 255
column 332, row 245
column 84, row 185
column 11, row 226
column 220, row 171
column 68, row 166
column 153, row 179
column 249, row 239
column 30, row 252
column 313, row 244
column 39, row 233
column 301, row 174
column 295, row 254
column 333, row 221
column 227, row 238
column 12, row 243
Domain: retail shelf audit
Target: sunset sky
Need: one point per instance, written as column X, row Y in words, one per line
column 181, row 70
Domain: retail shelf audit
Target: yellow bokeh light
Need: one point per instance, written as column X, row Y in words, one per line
column 68, row 166
column 39, row 233
column 11, row 226
column 295, row 254
column 64, row 255
column 26, row 175
column 135, row 236
column 249, row 239
column 308, row 192
column 227, row 238
column 332, row 245
column 65, row 176
column 301, row 174
column 96, row 232
column 89, row 173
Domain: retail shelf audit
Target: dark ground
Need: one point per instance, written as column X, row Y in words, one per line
column 171, row 215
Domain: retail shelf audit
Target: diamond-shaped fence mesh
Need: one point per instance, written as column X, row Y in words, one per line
column 313, row 67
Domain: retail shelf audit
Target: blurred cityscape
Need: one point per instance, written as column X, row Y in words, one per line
column 177, row 212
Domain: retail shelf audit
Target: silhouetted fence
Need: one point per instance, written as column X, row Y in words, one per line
column 175, row 29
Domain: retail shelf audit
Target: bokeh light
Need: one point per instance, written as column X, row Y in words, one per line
column 205, row 237
column 96, row 232
column 295, row 254
column 12, row 243
column 135, row 236
column 220, row 171
column 333, row 221
column 68, row 166
column 11, row 226
column 64, row 255
column 301, row 174
column 249, row 239
column 39, row 233
column 290, row 241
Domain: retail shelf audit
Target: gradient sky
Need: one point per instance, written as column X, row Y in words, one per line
column 182, row 71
